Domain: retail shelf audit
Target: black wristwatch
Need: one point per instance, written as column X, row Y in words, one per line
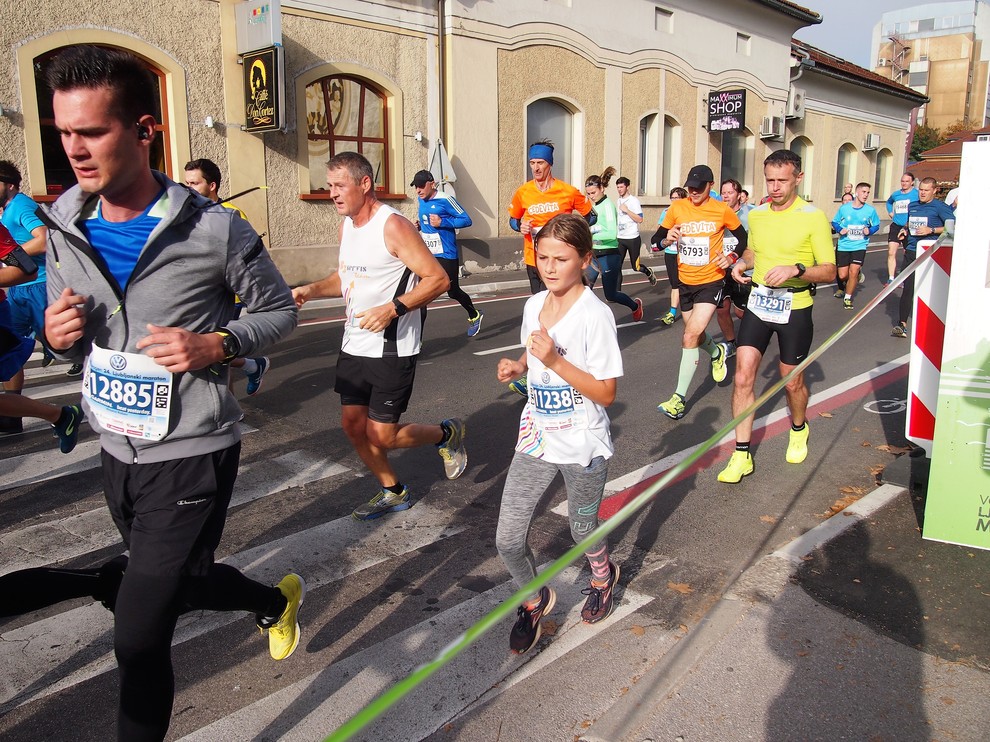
column 231, row 345
column 400, row 308
column 801, row 269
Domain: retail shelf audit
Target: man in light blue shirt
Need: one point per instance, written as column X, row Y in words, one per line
column 26, row 301
column 854, row 223
column 897, row 210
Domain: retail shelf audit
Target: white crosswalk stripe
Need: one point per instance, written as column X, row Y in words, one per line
column 28, row 653
column 64, row 650
column 325, row 700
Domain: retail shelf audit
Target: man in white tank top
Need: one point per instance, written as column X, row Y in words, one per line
column 387, row 276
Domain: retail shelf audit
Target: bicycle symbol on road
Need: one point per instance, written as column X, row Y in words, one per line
column 886, row 406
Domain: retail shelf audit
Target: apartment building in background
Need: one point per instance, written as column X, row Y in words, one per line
column 941, row 50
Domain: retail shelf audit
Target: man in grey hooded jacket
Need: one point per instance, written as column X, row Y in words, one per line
column 141, row 286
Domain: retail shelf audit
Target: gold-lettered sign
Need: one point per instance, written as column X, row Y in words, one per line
column 264, row 88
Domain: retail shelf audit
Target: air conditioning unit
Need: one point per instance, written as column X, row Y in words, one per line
column 872, row 142
column 795, row 103
column 772, row 127
column 882, row 62
column 983, row 137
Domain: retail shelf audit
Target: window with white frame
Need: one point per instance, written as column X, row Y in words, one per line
column 647, row 160
column 737, row 157
column 548, row 119
column 671, row 168
column 803, row 148
column 882, row 173
column 845, row 169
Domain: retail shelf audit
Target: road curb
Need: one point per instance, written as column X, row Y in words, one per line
column 760, row 583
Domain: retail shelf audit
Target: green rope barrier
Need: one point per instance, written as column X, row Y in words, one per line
column 386, row 700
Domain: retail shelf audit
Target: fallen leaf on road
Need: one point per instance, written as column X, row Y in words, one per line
column 876, row 471
column 850, row 490
column 681, row 587
column 768, row 519
column 637, row 630
column 548, row 627
column 683, row 627
column 824, row 414
column 947, row 701
column 866, row 444
column 803, row 653
column 893, row 449
column 839, row 505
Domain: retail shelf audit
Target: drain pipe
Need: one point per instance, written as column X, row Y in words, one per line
column 442, row 66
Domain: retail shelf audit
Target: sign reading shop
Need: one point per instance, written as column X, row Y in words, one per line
column 726, row 110
column 263, row 89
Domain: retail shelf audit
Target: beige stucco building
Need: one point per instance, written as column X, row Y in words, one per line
column 941, row 50
column 627, row 83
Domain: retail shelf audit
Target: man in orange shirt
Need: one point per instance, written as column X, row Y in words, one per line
column 697, row 224
column 534, row 204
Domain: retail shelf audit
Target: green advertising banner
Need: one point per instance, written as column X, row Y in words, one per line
column 957, row 510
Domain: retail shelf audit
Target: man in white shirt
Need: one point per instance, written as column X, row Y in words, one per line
column 387, row 276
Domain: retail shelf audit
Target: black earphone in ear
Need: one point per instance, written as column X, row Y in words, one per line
column 142, row 132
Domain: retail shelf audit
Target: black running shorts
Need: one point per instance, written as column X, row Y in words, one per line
column 844, row 258
column 705, row 293
column 793, row 339
column 383, row 385
column 894, row 231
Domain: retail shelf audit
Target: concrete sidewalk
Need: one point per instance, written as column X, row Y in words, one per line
column 858, row 630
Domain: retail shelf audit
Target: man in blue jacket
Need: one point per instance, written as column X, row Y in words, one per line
column 439, row 218
column 926, row 219
column 140, row 289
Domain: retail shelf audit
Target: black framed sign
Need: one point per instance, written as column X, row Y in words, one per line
column 264, row 87
column 726, row 110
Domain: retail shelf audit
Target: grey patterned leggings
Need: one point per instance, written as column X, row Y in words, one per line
column 528, row 478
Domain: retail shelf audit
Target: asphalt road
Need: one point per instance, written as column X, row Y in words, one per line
column 388, row 595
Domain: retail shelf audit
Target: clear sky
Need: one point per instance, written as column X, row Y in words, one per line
column 847, row 26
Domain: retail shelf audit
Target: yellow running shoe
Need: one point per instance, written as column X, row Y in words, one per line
column 283, row 635
column 740, row 465
column 719, row 370
column 797, row 447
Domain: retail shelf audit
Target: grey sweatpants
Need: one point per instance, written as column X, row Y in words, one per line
column 528, row 478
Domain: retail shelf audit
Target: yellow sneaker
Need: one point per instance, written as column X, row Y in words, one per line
column 740, row 465
column 797, row 447
column 283, row 635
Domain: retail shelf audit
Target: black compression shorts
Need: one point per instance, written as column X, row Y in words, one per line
column 793, row 338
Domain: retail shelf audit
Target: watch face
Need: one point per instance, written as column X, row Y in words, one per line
column 229, row 346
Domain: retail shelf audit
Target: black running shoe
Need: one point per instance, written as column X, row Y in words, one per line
column 599, row 604
column 526, row 632
column 67, row 427
column 75, row 369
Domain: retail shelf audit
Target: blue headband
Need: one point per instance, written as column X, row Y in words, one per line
column 541, row 152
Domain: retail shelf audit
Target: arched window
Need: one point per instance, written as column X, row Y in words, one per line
column 671, row 155
column 737, row 157
column 845, row 169
column 647, row 159
column 548, row 119
column 345, row 113
column 802, row 147
column 882, row 185
column 58, row 173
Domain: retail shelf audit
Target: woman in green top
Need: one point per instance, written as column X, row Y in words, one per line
column 605, row 231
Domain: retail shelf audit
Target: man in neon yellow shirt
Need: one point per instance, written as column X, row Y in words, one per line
column 790, row 249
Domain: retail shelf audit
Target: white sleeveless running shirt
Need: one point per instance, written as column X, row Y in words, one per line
column 369, row 277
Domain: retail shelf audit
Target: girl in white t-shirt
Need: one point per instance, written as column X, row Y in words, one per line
column 572, row 358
